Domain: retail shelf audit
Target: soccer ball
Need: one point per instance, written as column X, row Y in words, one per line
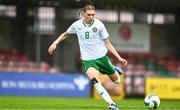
column 152, row 101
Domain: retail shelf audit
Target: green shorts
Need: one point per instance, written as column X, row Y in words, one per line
column 103, row 65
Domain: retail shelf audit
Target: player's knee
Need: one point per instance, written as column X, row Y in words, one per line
column 115, row 78
column 117, row 81
column 94, row 81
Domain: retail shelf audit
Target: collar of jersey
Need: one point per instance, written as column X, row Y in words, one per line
column 89, row 24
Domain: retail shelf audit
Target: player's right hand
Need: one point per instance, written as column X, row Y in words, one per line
column 52, row 48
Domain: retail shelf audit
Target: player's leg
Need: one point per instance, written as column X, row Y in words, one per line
column 118, row 69
column 115, row 77
column 106, row 67
column 93, row 75
column 92, row 70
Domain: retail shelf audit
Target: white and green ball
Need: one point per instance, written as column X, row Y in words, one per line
column 152, row 101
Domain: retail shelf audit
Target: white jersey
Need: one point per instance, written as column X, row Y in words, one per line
column 90, row 38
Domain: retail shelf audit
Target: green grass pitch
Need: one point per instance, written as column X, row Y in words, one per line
column 50, row 103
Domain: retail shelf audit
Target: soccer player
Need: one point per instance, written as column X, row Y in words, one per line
column 94, row 45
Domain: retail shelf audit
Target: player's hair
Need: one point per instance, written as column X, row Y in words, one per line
column 87, row 7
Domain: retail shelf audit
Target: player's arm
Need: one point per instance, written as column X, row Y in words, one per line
column 111, row 48
column 53, row 46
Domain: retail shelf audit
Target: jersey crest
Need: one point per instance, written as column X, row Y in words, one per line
column 94, row 29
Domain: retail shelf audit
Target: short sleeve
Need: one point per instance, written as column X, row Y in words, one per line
column 103, row 32
column 71, row 29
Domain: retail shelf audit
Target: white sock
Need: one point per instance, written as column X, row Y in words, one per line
column 104, row 94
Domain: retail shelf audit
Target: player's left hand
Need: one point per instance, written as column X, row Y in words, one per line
column 123, row 62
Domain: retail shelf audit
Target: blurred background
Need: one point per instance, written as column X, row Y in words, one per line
column 146, row 33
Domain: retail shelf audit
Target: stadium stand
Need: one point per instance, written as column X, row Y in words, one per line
column 14, row 61
column 141, row 66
